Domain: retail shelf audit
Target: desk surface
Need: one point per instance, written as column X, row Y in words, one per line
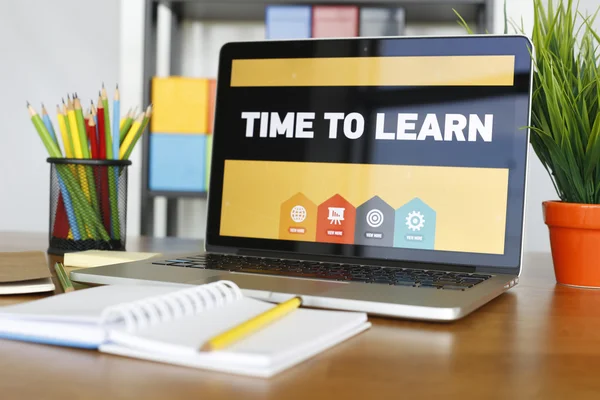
column 539, row 340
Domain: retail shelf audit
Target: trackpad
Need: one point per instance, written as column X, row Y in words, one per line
column 275, row 283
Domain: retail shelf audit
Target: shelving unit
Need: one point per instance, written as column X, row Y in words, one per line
column 479, row 13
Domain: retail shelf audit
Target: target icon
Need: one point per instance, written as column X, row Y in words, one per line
column 375, row 218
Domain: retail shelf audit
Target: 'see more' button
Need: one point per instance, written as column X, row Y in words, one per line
column 374, row 235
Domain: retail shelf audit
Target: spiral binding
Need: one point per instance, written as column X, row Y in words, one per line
column 154, row 310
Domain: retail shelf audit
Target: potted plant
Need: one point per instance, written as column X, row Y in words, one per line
column 565, row 135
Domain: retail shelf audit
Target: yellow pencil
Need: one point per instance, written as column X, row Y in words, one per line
column 124, row 119
column 131, row 135
column 145, row 119
column 77, row 149
column 252, row 325
column 74, row 130
column 62, row 126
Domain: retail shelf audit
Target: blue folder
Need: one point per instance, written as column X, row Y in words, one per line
column 288, row 22
column 177, row 162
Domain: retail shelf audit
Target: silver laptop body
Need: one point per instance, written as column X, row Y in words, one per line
column 392, row 281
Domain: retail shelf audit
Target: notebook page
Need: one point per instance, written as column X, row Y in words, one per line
column 82, row 306
column 217, row 362
column 298, row 330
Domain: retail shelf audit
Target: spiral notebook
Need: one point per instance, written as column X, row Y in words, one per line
column 170, row 323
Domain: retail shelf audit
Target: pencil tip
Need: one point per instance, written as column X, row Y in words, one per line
column 28, row 104
column 102, row 85
column 117, row 86
column 63, row 100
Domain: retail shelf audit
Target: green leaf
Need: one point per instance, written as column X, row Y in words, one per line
column 463, row 23
column 565, row 105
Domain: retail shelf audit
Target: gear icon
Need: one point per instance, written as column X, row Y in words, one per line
column 415, row 221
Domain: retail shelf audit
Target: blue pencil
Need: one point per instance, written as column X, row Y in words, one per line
column 49, row 126
column 116, row 122
column 69, row 209
column 63, row 189
column 116, row 134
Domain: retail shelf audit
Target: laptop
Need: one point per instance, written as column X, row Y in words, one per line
column 384, row 175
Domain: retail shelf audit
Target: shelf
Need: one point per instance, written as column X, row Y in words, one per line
column 430, row 11
column 478, row 13
column 177, row 195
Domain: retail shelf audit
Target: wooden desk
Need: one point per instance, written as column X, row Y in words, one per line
column 537, row 341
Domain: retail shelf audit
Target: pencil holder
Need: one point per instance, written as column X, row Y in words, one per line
column 88, row 204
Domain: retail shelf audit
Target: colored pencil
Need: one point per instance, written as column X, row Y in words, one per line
column 62, row 126
column 61, row 221
column 126, row 124
column 81, row 128
column 91, row 131
column 75, row 138
column 63, row 278
column 42, row 131
column 124, row 119
column 50, row 145
column 48, row 123
column 105, row 203
column 116, row 121
column 101, row 130
column 129, row 138
column 252, row 325
column 137, row 133
column 95, row 115
column 111, row 177
column 109, row 147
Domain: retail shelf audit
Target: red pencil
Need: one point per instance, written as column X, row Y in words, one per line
column 104, row 198
column 91, row 132
column 61, row 221
column 101, row 131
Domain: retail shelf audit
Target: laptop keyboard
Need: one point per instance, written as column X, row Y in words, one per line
column 332, row 271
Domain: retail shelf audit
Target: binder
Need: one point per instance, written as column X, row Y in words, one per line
column 180, row 105
column 177, row 162
column 288, row 22
column 379, row 21
column 335, row 21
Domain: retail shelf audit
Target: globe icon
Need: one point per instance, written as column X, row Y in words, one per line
column 298, row 214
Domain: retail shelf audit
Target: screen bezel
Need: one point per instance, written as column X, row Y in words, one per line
column 311, row 250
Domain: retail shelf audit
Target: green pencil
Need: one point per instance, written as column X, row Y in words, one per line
column 50, row 144
column 85, row 150
column 63, row 278
column 109, row 147
column 127, row 122
column 139, row 132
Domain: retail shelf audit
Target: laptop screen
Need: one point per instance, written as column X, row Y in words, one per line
column 409, row 149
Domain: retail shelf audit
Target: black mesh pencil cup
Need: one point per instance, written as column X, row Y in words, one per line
column 88, row 204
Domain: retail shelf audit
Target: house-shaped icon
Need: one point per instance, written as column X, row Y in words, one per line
column 415, row 225
column 335, row 221
column 298, row 219
column 374, row 223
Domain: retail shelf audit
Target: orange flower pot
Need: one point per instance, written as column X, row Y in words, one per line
column 575, row 242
